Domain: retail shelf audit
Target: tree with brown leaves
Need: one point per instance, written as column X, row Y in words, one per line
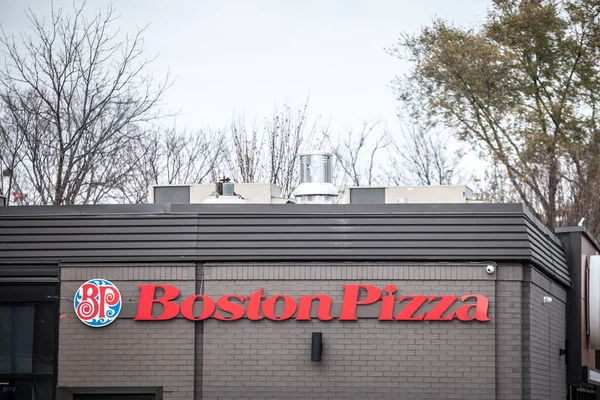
column 523, row 89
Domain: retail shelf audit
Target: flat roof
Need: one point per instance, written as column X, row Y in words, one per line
column 202, row 208
column 279, row 232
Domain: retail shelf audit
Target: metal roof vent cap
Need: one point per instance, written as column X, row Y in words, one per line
column 228, row 189
column 225, row 194
column 316, row 179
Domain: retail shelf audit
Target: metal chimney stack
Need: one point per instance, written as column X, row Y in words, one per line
column 316, row 179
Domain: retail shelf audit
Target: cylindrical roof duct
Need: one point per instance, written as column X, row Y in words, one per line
column 316, row 178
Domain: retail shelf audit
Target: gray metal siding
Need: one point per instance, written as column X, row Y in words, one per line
column 172, row 194
column 546, row 252
column 391, row 232
column 28, row 271
column 367, row 195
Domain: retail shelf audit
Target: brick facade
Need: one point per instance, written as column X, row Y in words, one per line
column 545, row 368
column 506, row 358
column 127, row 353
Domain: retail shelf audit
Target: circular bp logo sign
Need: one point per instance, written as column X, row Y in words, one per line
column 97, row 303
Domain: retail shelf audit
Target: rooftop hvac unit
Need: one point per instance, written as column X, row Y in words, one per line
column 316, row 179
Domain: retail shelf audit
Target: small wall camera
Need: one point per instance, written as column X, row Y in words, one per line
column 490, row 269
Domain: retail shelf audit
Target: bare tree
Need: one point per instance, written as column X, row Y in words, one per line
column 286, row 133
column 168, row 156
column 75, row 93
column 146, row 154
column 422, row 156
column 356, row 154
column 192, row 157
column 18, row 126
column 270, row 152
column 495, row 186
column 245, row 165
column 11, row 156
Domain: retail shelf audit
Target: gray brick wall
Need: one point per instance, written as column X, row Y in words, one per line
column 545, row 326
column 508, row 324
column 127, row 353
column 362, row 359
column 366, row 358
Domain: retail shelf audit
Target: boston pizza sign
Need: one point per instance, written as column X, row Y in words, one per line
column 391, row 306
column 97, row 303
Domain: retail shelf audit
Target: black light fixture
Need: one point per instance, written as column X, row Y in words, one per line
column 317, row 346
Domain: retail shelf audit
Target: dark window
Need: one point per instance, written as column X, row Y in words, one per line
column 15, row 391
column 27, row 350
column 26, row 389
column 45, row 326
column 16, row 339
column 172, row 194
column 111, row 393
column 43, row 388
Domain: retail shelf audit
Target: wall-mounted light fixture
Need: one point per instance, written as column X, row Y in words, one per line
column 316, row 346
column 547, row 299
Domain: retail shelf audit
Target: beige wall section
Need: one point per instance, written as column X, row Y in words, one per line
column 261, row 193
column 255, row 192
column 127, row 353
column 421, row 194
column 429, row 194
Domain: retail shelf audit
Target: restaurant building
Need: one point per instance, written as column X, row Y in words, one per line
column 295, row 301
column 485, row 292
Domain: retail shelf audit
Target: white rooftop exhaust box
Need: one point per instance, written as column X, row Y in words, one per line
column 316, row 179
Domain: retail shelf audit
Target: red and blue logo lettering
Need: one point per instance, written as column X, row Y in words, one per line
column 97, row 303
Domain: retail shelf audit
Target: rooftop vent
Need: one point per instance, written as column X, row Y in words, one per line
column 316, row 179
column 225, row 194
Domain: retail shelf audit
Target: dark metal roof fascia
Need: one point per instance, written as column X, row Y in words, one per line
column 586, row 232
column 199, row 232
column 274, row 209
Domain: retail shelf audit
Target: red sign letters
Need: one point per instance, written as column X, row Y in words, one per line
column 472, row 307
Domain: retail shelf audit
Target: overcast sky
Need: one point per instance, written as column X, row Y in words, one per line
column 250, row 55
